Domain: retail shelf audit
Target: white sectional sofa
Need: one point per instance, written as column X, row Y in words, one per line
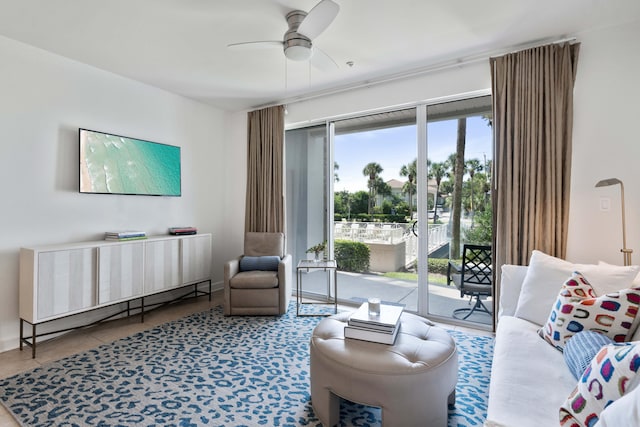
column 530, row 379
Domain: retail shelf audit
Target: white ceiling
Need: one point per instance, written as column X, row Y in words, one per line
column 181, row 45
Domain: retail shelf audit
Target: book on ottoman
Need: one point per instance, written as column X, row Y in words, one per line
column 386, row 321
column 382, row 328
column 372, row 335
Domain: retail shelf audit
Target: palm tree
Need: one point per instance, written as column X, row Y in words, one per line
column 372, row 171
column 381, row 188
column 459, row 171
column 451, row 163
column 437, row 171
column 472, row 166
column 411, row 172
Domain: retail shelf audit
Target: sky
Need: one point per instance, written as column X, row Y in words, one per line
column 394, row 147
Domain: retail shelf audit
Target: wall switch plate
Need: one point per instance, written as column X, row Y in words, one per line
column 605, row 204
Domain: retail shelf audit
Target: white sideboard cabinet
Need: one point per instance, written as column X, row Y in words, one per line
column 57, row 281
column 120, row 273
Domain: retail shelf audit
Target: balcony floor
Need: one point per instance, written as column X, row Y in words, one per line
column 354, row 288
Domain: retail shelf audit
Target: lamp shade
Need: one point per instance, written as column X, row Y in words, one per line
column 607, row 182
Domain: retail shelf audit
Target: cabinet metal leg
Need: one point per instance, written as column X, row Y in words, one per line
column 33, row 341
column 21, row 333
column 24, row 340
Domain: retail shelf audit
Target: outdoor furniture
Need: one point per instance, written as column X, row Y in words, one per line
column 259, row 282
column 412, row 380
column 474, row 278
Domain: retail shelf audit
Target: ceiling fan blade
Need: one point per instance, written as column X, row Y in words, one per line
column 265, row 44
column 322, row 61
column 318, row 19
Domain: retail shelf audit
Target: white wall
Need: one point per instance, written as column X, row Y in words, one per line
column 436, row 85
column 44, row 99
column 235, row 181
column 606, row 144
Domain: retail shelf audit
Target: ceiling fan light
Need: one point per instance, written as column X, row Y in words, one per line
column 297, row 53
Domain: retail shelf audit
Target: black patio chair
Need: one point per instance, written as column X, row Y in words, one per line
column 474, row 278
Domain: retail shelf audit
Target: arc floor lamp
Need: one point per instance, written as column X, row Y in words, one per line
column 626, row 253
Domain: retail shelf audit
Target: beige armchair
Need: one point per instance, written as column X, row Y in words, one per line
column 257, row 283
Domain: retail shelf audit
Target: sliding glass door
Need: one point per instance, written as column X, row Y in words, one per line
column 383, row 190
column 375, row 179
column 459, row 146
column 307, row 206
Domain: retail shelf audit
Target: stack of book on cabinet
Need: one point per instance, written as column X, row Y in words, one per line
column 125, row 235
column 381, row 328
column 182, row 231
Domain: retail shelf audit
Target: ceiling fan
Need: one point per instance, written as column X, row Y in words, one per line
column 303, row 28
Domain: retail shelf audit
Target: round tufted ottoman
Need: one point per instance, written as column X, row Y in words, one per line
column 412, row 380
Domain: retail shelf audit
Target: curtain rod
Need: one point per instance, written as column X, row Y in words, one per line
column 441, row 66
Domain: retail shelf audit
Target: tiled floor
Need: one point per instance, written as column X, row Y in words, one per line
column 15, row 361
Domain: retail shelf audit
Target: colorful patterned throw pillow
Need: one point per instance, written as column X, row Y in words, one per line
column 577, row 308
column 611, row 374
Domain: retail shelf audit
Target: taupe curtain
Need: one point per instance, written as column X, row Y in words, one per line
column 533, row 121
column 265, row 157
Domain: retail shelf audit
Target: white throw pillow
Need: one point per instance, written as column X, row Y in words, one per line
column 546, row 274
column 510, row 286
column 636, row 280
column 624, row 412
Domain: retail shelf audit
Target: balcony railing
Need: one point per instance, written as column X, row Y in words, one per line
column 389, row 233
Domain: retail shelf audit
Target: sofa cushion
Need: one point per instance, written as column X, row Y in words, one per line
column 264, row 263
column 581, row 349
column 577, row 308
column 611, row 374
column 255, row 279
column 546, row 275
column 526, row 369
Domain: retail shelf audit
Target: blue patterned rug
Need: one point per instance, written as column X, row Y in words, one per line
column 207, row 369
